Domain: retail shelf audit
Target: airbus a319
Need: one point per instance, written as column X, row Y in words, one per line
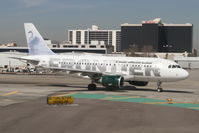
column 109, row 71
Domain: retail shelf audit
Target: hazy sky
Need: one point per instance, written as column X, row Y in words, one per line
column 54, row 17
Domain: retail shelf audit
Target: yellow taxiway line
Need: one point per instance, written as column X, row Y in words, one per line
column 194, row 107
column 171, row 102
column 9, row 93
column 65, row 94
column 117, row 98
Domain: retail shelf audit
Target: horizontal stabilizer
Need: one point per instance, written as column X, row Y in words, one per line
column 32, row 61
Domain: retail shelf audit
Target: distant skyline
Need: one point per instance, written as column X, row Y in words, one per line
column 54, row 18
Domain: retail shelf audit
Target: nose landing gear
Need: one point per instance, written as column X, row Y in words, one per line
column 159, row 89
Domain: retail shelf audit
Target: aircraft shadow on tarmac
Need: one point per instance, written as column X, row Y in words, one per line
column 149, row 89
column 124, row 89
column 63, row 85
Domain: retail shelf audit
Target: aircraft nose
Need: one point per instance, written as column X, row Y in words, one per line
column 184, row 74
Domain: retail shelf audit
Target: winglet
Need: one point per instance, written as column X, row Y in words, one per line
column 36, row 43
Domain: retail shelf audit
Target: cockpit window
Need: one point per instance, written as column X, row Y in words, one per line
column 174, row 66
column 178, row 66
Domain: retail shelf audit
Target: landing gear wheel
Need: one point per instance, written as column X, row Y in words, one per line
column 92, row 87
column 159, row 89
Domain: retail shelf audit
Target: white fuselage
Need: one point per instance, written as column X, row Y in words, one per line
column 131, row 68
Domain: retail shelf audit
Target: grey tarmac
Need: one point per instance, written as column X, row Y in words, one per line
column 23, row 107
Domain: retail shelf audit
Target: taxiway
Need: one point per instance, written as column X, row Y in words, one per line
column 23, row 106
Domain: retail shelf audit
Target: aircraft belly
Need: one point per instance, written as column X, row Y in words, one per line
column 146, row 78
column 140, row 78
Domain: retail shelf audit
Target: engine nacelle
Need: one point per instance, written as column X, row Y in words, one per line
column 138, row 83
column 112, row 81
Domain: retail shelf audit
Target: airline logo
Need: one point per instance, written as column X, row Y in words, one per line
column 85, row 64
column 30, row 35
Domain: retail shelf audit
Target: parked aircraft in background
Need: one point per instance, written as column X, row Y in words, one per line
column 109, row 71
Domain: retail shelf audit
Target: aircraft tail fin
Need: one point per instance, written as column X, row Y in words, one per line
column 36, row 43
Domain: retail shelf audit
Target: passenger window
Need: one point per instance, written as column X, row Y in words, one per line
column 173, row 66
column 169, row 66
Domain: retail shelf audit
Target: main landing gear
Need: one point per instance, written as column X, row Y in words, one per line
column 159, row 89
column 92, row 87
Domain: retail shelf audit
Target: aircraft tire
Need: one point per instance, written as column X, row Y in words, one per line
column 159, row 89
column 92, row 87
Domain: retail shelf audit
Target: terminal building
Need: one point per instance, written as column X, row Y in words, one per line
column 57, row 50
column 96, row 36
column 56, row 47
column 161, row 37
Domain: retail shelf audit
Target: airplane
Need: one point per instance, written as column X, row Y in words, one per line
column 109, row 71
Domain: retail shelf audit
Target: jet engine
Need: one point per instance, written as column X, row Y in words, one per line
column 112, row 81
column 138, row 83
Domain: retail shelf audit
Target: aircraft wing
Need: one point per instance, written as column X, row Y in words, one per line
column 90, row 73
column 32, row 61
column 71, row 70
column 79, row 71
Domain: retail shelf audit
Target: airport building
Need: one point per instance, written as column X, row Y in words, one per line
column 187, row 62
column 157, row 36
column 56, row 47
column 56, row 50
column 96, row 36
